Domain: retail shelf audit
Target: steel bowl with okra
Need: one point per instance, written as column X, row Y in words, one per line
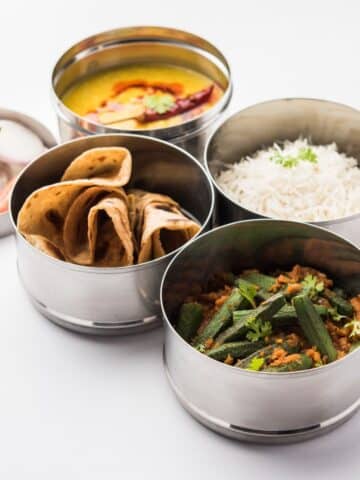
column 262, row 325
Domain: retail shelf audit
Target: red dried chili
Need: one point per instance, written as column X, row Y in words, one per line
column 181, row 105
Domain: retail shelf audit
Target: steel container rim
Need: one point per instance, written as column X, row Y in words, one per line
column 319, row 223
column 173, row 133
column 229, row 368
column 115, row 270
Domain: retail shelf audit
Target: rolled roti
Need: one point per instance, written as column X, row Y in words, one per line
column 138, row 200
column 43, row 214
column 88, row 219
column 42, row 217
column 161, row 227
column 55, row 220
column 97, row 229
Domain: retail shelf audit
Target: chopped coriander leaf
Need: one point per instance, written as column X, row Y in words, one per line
column 355, row 327
column 311, row 286
column 256, row 364
column 201, row 348
column 335, row 315
column 258, row 329
column 248, row 291
column 290, row 161
column 285, row 161
column 307, row 154
column 159, row 103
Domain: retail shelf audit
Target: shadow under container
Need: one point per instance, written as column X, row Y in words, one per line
column 138, row 45
column 260, row 406
column 259, row 126
column 112, row 300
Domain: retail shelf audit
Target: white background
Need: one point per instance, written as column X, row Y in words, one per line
column 75, row 407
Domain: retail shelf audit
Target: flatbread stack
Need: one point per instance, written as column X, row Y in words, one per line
column 89, row 219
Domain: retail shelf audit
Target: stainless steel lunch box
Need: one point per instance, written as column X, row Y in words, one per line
column 261, row 125
column 259, row 406
column 140, row 45
column 44, row 134
column 108, row 300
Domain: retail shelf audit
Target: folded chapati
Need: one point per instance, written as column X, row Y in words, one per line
column 97, row 229
column 101, row 166
column 161, row 227
column 45, row 245
column 44, row 211
column 89, row 219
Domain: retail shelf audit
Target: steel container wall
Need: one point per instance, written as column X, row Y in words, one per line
column 142, row 44
column 108, row 300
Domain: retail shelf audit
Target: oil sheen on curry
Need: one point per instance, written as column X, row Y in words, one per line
column 147, row 96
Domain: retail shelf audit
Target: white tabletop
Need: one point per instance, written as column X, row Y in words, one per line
column 75, row 407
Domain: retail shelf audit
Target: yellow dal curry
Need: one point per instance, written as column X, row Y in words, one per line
column 143, row 96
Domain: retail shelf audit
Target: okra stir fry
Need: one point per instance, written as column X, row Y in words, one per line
column 285, row 322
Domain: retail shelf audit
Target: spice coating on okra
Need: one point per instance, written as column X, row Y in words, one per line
column 282, row 321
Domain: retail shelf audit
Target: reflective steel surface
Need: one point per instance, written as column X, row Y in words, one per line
column 108, row 300
column 261, row 125
column 259, row 406
column 44, row 134
column 142, row 44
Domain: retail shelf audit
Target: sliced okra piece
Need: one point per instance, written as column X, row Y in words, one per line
column 313, row 327
column 222, row 317
column 190, row 318
column 235, row 349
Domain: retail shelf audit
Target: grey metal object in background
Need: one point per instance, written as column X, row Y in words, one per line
column 108, row 300
column 260, row 406
column 45, row 136
column 263, row 124
column 142, row 45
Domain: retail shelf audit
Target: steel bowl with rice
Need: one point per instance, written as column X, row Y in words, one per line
column 260, row 126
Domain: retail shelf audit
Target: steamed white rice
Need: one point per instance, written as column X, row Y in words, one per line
column 327, row 189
